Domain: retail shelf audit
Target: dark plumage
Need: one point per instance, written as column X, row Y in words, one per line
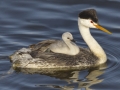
column 43, row 58
column 89, row 14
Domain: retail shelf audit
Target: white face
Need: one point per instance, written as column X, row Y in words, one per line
column 87, row 22
column 67, row 36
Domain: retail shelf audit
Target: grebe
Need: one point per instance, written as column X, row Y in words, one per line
column 65, row 46
column 37, row 55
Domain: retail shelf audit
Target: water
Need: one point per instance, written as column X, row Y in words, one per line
column 24, row 22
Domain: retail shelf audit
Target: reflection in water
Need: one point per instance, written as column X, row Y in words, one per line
column 6, row 74
column 75, row 79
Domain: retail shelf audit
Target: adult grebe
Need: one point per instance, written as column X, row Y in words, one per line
column 37, row 55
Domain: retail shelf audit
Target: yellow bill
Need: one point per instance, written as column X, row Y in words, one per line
column 101, row 28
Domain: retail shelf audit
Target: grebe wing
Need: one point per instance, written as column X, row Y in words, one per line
column 42, row 46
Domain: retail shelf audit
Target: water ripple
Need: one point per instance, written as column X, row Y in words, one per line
column 26, row 22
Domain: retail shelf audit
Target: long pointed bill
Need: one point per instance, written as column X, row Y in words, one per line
column 101, row 28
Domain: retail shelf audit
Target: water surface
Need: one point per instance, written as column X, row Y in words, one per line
column 24, row 22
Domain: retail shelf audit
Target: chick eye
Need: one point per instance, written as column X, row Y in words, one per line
column 67, row 38
column 91, row 21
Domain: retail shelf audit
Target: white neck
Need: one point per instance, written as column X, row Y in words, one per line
column 73, row 48
column 92, row 43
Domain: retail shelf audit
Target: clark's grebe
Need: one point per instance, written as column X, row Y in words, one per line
column 37, row 55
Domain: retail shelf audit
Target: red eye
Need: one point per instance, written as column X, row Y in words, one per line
column 91, row 21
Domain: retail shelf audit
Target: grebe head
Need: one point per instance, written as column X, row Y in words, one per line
column 88, row 18
column 67, row 36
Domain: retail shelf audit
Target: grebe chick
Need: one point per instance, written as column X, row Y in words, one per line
column 65, row 46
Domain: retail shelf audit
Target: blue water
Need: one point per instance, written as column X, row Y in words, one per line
column 24, row 22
